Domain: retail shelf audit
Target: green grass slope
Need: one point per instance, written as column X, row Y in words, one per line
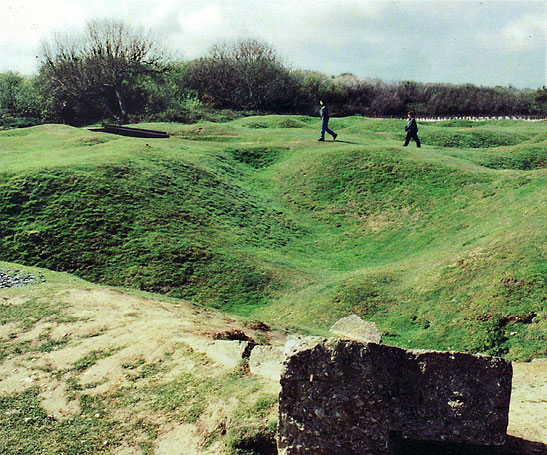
column 443, row 247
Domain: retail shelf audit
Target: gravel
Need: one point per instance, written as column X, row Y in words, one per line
column 15, row 278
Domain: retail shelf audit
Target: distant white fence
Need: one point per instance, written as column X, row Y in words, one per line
column 480, row 119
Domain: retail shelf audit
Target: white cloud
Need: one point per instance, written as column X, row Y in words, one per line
column 203, row 20
column 524, row 32
column 429, row 40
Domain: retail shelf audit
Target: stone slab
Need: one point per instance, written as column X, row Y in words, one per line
column 347, row 397
column 354, row 328
column 228, row 353
column 267, row 361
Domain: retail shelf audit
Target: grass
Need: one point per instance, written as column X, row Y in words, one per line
column 200, row 396
column 91, row 359
column 26, row 428
column 131, row 414
column 256, row 218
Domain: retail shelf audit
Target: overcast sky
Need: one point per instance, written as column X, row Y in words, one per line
column 487, row 42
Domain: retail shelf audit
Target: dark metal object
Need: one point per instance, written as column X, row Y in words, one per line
column 133, row 132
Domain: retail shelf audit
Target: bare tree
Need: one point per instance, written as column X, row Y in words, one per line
column 244, row 75
column 100, row 64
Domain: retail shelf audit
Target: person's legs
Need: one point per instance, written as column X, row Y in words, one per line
column 332, row 133
column 417, row 140
column 323, row 128
column 407, row 140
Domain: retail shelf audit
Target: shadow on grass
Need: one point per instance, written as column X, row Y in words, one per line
column 348, row 142
column 343, row 142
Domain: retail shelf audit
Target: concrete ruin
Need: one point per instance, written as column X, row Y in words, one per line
column 266, row 361
column 343, row 397
column 354, row 328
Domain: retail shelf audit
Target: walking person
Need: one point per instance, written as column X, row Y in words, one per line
column 411, row 129
column 325, row 123
column 67, row 114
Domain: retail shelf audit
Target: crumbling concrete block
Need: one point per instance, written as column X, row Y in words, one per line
column 296, row 343
column 342, row 397
column 228, row 353
column 267, row 361
column 354, row 328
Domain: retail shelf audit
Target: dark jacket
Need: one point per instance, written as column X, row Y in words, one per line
column 324, row 113
column 411, row 126
column 67, row 113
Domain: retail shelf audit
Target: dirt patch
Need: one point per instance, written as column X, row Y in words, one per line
column 528, row 410
column 260, row 326
column 107, row 344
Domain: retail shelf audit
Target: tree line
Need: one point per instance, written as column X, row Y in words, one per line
column 112, row 71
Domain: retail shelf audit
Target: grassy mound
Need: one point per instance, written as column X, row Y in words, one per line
column 276, row 121
column 439, row 246
column 460, row 123
column 523, row 157
column 151, row 222
column 471, row 138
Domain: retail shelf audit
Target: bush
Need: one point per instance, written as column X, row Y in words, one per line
column 21, row 103
column 247, row 75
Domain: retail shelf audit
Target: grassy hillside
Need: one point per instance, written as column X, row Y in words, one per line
column 87, row 369
column 443, row 247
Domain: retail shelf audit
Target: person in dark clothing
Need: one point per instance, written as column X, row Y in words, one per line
column 411, row 129
column 67, row 113
column 325, row 123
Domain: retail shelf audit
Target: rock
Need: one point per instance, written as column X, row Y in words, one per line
column 15, row 278
column 227, row 352
column 354, row 328
column 347, row 397
column 267, row 361
column 297, row 343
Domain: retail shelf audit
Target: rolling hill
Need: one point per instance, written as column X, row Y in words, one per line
column 443, row 247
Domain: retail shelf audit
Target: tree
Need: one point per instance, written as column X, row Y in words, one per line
column 245, row 75
column 9, row 87
column 539, row 101
column 20, row 97
column 101, row 65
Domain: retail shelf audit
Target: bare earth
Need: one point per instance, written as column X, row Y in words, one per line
column 137, row 329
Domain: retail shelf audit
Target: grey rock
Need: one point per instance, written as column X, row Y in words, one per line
column 296, row 343
column 16, row 278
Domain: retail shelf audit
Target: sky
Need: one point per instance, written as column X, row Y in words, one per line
column 488, row 42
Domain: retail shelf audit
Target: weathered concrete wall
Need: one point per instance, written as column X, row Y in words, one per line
column 342, row 397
